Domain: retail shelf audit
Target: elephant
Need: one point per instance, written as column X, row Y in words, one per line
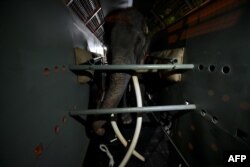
column 127, row 40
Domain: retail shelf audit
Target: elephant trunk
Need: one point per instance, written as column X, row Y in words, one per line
column 117, row 87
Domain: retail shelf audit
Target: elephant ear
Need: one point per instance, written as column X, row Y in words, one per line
column 141, row 47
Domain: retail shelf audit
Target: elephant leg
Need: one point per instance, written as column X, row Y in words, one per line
column 118, row 85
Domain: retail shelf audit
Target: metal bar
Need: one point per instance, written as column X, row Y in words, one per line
column 93, row 15
column 82, row 10
column 133, row 67
column 98, row 26
column 70, row 1
column 176, row 148
column 135, row 109
column 172, row 142
column 77, row 11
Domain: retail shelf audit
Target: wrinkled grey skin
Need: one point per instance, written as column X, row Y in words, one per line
column 128, row 46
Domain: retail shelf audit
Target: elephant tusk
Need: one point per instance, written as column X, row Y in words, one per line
column 138, row 123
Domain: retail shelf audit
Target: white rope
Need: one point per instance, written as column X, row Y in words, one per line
column 105, row 149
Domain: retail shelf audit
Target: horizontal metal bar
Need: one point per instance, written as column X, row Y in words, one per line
column 135, row 109
column 133, row 67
